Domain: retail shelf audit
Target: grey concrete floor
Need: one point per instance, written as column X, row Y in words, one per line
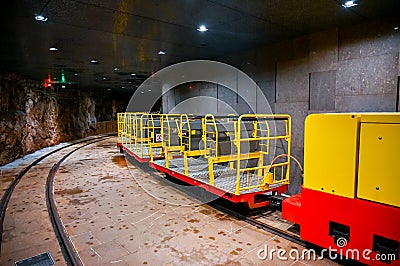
column 117, row 214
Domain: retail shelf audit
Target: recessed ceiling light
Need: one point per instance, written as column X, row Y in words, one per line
column 396, row 28
column 94, row 61
column 63, row 86
column 105, row 78
column 122, row 87
column 133, row 74
column 202, row 28
column 161, row 52
column 53, row 49
column 76, row 74
column 109, row 89
column 149, row 90
column 142, row 91
column 40, row 18
column 116, row 68
column 349, row 3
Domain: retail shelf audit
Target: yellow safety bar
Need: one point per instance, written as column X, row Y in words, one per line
column 155, row 136
column 127, row 129
column 249, row 177
column 264, row 136
column 120, row 124
column 241, row 145
column 185, row 133
column 210, row 136
column 186, row 138
column 171, row 137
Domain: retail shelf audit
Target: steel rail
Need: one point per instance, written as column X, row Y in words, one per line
column 10, row 189
column 68, row 249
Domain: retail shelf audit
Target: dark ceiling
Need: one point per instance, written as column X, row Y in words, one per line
column 125, row 36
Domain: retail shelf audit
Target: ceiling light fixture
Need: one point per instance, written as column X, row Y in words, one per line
column 396, row 28
column 122, row 87
column 40, row 18
column 161, row 52
column 105, row 78
column 133, row 74
column 116, row 68
column 53, row 49
column 76, row 74
column 94, row 61
column 349, row 3
column 202, row 28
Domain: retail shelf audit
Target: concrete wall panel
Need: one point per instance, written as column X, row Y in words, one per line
column 370, row 39
column 366, row 103
column 323, row 51
column 267, row 88
column 368, row 75
column 227, row 95
column 248, row 93
column 293, row 49
column 298, row 111
column 322, row 91
column 292, row 81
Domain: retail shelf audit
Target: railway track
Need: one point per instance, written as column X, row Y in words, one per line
column 255, row 220
column 70, row 255
column 252, row 217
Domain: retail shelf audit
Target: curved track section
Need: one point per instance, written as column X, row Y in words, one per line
column 66, row 246
column 70, row 254
column 256, row 220
column 264, row 218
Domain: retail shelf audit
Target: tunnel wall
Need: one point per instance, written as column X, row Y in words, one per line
column 32, row 117
column 349, row 69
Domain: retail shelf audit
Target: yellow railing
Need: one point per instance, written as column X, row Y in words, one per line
column 263, row 135
column 155, row 136
column 243, row 146
column 210, row 136
column 250, row 153
column 171, row 137
column 191, row 132
column 120, row 124
column 126, row 134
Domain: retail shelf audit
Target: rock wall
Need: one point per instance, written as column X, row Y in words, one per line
column 32, row 117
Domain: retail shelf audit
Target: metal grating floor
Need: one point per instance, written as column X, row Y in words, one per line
column 145, row 153
column 224, row 177
column 44, row 259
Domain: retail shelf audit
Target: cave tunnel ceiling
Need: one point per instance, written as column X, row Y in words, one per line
column 125, row 36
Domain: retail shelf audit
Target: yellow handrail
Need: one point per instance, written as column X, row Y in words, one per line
column 251, row 167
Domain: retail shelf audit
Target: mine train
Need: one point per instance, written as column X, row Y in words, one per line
column 349, row 200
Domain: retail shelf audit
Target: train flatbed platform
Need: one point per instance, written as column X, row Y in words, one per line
column 141, row 152
column 224, row 180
